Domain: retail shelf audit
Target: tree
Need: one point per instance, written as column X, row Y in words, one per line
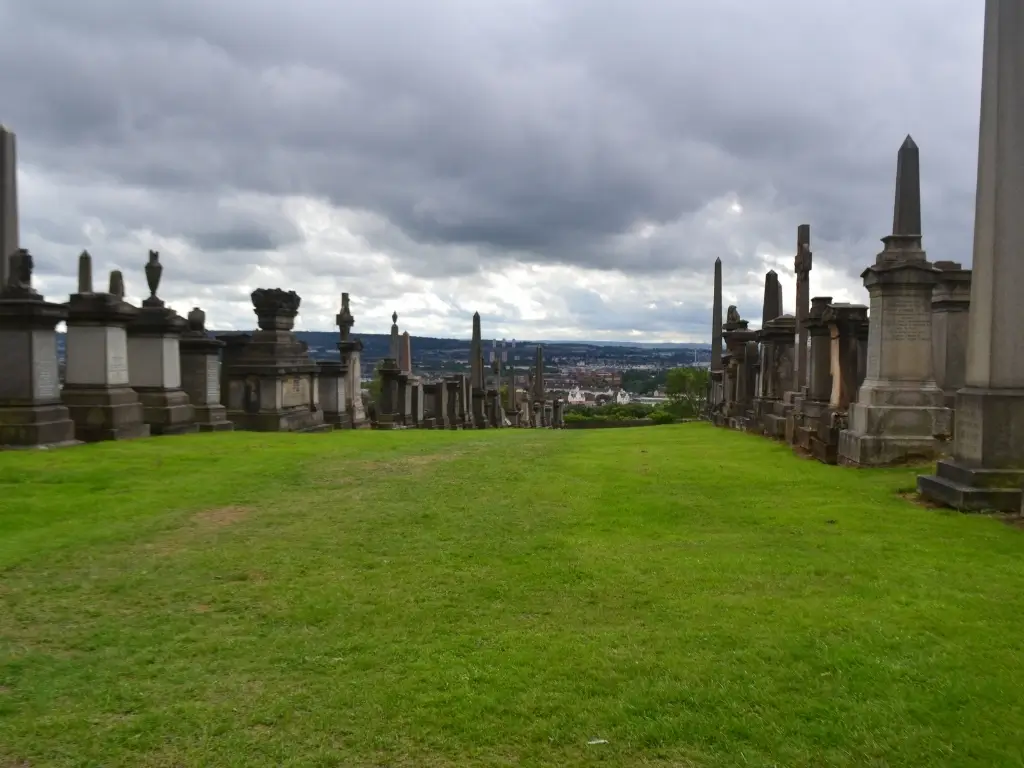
column 373, row 386
column 687, row 390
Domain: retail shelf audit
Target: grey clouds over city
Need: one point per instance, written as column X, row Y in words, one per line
column 567, row 168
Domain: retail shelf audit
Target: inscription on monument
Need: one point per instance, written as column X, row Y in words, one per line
column 212, row 382
column 905, row 320
column 46, row 378
column 294, row 392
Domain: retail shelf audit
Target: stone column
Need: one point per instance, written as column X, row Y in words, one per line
column 845, row 322
column 388, row 402
column 154, row 361
column 987, row 466
column 333, row 383
column 31, row 412
column 9, row 240
column 951, row 300
column 819, row 362
column 451, row 387
column 716, row 320
column 802, row 267
column 96, row 390
column 351, row 357
column 200, row 374
column 778, row 340
column 405, row 353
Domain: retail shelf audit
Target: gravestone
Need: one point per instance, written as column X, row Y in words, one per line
column 451, row 389
column 716, row 379
column 388, row 408
column 777, row 338
column 900, row 413
column 272, row 383
column 478, row 393
column 351, row 357
column 333, row 398
column 200, row 374
column 97, row 390
column 808, row 418
column 987, row 465
column 154, row 361
column 31, row 411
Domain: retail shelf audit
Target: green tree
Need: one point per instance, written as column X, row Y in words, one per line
column 687, row 390
column 373, row 386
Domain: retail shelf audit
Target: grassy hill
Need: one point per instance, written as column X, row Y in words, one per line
column 685, row 595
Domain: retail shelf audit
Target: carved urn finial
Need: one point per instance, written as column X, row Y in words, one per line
column 154, row 269
column 275, row 308
column 394, row 318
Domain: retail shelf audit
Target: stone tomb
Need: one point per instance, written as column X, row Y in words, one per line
column 31, row 411
column 154, row 361
column 200, row 374
column 273, row 385
column 96, row 390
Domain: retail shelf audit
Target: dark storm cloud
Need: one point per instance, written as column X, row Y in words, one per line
column 546, row 129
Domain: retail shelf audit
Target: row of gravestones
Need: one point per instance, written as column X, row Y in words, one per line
column 459, row 402
column 933, row 370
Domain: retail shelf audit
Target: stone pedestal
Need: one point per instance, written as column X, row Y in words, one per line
column 154, row 370
column 451, row 394
column 951, row 300
column 388, row 416
column 96, row 390
column 558, row 414
column 333, row 399
column 416, row 402
column 806, row 412
column 273, row 384
column 988, row 448
column 31, row 412
column 479, row 408
column 777, row 337
column 200, row 375
column 351, row 358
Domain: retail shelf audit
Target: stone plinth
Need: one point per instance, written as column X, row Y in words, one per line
column 97, row 389
column 333, row 397
column 154, row 369
column 273, row 384
column 31, row 411
column 200, row 375
column 951, row 300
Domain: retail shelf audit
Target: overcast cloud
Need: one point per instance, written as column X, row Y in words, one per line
column 569, row 168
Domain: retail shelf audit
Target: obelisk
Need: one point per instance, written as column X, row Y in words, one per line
column 988, row 446
column 9, row 240
column 716, row 320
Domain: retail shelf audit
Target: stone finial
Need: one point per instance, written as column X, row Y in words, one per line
column 154, row 269
column 394, row 318
column 19, row 274
column 197, row 320
column 116, row 284
column 344, row 318
column 906, row 219
column 84, row 272
column 732, row 315
column 275, row 308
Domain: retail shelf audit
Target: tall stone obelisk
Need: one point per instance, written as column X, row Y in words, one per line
column 988, row 447
column 716, row 320
column 9, row 240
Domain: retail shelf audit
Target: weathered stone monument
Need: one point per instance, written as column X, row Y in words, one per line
column 539, row 395
column 740, row 371
column 987, row 466
column 31, row 411
column 96, row 390
column 776, row 337
column 716, row 380
column 808, row 419
column 200, row 374
column 951, row 300
column 478, row 385
column 9, row 238
column 273, row 384
column 802, row 264
column 351, row 357
column 900, row 413
column 154, row 361
column 333, row 399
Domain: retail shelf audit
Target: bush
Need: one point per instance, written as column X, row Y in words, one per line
column 660, row 416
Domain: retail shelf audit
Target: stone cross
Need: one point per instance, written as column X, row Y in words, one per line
column 716, row 320
column 9, row 240
column 802, row 267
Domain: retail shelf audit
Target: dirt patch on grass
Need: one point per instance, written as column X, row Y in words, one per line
column 220, row 517
column 917, row 499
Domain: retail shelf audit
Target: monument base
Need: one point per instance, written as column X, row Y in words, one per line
column 36, row 426
column 212, row 418
column 337, row 420
column 973, row 490
column 167, row 411
column 104, row 413
column 298, row 420
column 858, row 450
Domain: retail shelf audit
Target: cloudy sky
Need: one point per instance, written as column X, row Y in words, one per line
column 568, row 168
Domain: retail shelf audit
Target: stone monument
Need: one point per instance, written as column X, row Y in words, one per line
column 200, row 374
column 154, row 360
column 97, row 387
column 951, row 300
column 987, row 465
column 900, row 413
column 351, row 356
column 273, row 384
column 9, row 240
column 31, row 411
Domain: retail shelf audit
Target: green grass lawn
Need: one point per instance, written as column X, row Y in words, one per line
column 692, row 596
